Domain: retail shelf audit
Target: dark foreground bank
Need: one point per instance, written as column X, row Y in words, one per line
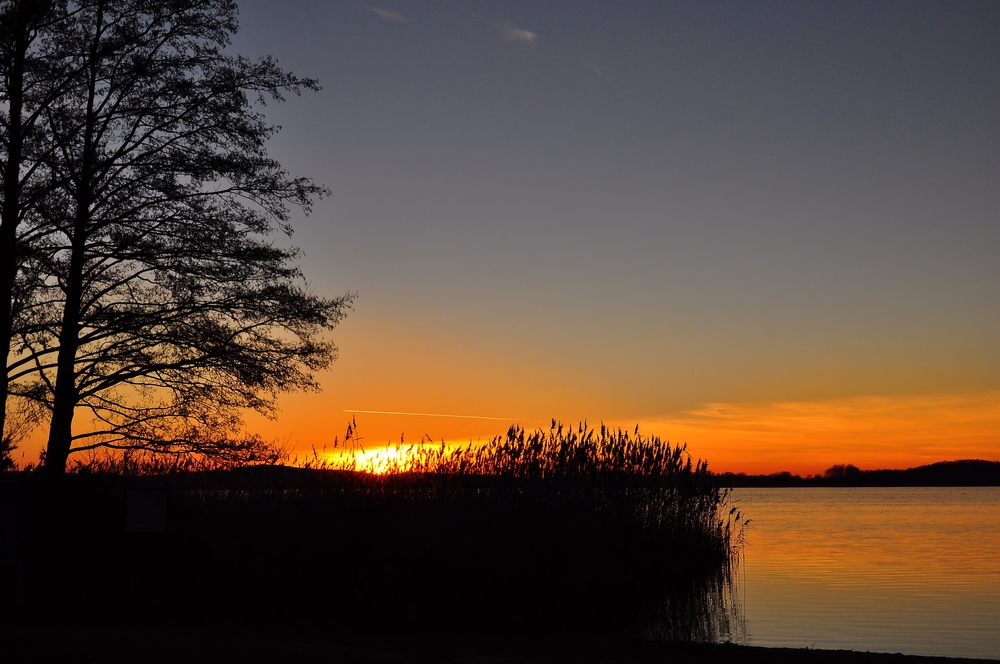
column 567, row 532
column 32, row 643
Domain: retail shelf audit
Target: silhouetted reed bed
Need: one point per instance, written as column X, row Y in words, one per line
column 543, row 533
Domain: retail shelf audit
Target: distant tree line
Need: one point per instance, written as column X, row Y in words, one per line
column 141, row 285
column 967, row 472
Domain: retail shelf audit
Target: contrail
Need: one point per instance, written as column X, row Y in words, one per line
column 460, row 417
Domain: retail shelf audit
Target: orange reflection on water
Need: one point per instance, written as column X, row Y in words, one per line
column 905, row 569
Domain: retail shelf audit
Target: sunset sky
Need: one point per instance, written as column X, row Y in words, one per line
column 768, row 230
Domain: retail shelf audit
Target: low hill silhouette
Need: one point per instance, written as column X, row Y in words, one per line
column 966, row 472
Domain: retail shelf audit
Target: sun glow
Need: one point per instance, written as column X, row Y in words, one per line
column 378, row 461
column 375, row 460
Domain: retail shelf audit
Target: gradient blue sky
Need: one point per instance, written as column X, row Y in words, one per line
column 641, row 211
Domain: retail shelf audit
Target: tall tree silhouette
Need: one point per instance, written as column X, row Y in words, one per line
column 33, row 73
column 169, row 307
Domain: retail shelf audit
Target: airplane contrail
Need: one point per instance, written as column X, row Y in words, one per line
column 460, row 417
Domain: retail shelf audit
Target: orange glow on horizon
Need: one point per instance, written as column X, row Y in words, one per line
column 376, row 460
column 808, row 437
column 803, row 437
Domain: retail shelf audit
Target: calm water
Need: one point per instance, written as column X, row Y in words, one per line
column 912, row 570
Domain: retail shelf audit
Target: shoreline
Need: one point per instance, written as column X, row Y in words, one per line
column 33, row 643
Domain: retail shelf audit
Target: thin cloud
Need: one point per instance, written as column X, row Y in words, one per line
column 809, row 436
column 460, row 417
column 512, row 33
column 386, row 14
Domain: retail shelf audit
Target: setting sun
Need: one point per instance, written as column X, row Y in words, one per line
column 570, row 331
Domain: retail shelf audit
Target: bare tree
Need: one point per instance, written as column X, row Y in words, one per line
column 33, row 73
column 166, row 308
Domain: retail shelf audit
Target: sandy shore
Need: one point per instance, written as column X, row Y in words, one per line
column 32, row 643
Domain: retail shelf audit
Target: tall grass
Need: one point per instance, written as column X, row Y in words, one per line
column 670, row 523
column 644, row 478
column 569, row 530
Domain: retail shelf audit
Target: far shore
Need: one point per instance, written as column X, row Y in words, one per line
column 967, row 472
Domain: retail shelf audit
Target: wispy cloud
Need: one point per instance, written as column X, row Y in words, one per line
column 460, row 417
column 385, row 14
column 512, row 33
column 808, row 437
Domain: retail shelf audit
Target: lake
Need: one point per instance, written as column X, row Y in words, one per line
column 911, row 570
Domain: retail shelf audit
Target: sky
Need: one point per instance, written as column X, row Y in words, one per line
column 768, row 230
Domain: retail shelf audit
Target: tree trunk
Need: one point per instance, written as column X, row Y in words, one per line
column 66, row 392
column 66, row 396
column 10, row 214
